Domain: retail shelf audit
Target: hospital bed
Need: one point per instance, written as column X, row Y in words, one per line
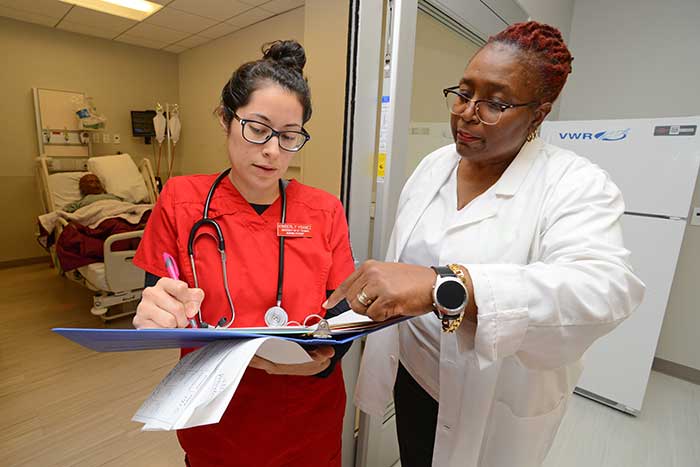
column 116, row 280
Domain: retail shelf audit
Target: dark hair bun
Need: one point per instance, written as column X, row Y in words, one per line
column 287, row 53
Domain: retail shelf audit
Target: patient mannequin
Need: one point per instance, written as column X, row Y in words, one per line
column 92, row 190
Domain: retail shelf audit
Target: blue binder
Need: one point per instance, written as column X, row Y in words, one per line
column 121, row 340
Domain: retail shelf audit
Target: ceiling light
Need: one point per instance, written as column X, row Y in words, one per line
column 137, row 10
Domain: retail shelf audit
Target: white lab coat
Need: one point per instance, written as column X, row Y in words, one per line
column 544, row 249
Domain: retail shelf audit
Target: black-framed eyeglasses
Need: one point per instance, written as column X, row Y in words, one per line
column 487, row 111
column 257, row 132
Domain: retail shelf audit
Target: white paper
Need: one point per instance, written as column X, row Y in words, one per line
column 349, row 317
column 198, row 389
column 346, row 317
column 283, row 351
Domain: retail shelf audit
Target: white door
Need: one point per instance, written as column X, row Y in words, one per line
column 617, row 366
column 427, row 45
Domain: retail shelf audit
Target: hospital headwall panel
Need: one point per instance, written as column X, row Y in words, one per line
column 58, row 129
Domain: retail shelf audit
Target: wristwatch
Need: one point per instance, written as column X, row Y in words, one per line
column 450, row 296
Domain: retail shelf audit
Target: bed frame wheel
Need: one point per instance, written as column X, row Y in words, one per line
column 98, row 311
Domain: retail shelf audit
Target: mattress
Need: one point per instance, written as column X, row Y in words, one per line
column 94, row 274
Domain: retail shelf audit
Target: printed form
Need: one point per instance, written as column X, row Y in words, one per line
column 199, row 388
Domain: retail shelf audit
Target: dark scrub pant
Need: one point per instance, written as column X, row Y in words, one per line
column 416, row 421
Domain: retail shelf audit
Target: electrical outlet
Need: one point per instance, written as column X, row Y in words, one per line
column 105, row 138
column 695, row 219
column 116, row 139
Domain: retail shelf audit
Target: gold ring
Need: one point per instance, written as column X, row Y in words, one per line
column 364, row 299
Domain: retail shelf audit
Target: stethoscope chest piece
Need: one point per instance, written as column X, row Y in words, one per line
column 275, row 316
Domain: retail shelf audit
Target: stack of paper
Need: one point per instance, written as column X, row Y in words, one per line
column 199, row 388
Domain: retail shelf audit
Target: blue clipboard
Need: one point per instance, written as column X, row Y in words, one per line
column 122, row 340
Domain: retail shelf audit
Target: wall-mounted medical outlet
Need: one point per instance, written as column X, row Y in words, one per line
column 695, row 216
column 116, row 139
column 66, row 164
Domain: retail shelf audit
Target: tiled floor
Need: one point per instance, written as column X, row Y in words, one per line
column 666, row 434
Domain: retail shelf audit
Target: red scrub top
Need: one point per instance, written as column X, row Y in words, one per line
column 272, row 420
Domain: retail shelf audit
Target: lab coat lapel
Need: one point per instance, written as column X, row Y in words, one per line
column 481, row 208
column 517, row 171
column 488, row 203
column 418, row 200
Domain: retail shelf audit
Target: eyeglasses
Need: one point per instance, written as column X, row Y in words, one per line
column 259, row 133
column 486, row 111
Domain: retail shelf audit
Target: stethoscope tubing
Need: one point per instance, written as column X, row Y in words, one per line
column 280, row 260
column 206, row 220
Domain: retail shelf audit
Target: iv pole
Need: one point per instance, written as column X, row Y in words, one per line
column 172, row 114
column 168, row 135
column 171, row 125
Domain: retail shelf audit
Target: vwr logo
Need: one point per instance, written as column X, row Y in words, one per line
column 611, row 135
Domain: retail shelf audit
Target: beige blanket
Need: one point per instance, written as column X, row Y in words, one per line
column 92, row 214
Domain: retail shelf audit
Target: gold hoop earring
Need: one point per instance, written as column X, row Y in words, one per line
column 532, row 135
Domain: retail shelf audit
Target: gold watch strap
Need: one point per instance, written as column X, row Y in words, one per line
column 451, row 325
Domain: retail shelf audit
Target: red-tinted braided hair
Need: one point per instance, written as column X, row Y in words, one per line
column 545, row 51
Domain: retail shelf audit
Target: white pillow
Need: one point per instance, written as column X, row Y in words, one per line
column 64, row 188
column 120, row 177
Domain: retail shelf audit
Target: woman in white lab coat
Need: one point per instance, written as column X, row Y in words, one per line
column 533, row 271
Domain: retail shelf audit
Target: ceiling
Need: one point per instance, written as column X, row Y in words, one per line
column 178, row 26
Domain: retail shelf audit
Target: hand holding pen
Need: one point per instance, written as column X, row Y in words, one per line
column 174, row 273
column 170, row 303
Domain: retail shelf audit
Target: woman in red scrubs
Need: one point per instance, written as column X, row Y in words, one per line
column 281, row 415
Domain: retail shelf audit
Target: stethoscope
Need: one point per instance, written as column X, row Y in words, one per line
column 275, row 315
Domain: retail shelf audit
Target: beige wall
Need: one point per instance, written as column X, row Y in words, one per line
column 204, row 70
column 321, row 27
column 325, row 40
column 120, row 77
column 440, row 59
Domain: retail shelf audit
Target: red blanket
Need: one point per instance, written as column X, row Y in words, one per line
column 79, row 245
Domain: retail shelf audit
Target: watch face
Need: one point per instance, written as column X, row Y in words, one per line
column 450, row 295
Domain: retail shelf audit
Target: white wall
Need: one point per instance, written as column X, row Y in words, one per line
column 639, row 58
column 557, row 13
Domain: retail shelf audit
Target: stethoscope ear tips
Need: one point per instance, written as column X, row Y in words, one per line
column 221, row 322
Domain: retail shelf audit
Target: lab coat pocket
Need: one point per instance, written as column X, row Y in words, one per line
column 520, row 441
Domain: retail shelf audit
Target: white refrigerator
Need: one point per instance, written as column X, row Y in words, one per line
column 655, row 163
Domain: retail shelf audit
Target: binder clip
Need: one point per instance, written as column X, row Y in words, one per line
column 323, row 330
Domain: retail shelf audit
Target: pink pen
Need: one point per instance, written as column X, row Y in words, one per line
column 174, row 273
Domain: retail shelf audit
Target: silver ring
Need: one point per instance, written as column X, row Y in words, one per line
column 364, row 299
